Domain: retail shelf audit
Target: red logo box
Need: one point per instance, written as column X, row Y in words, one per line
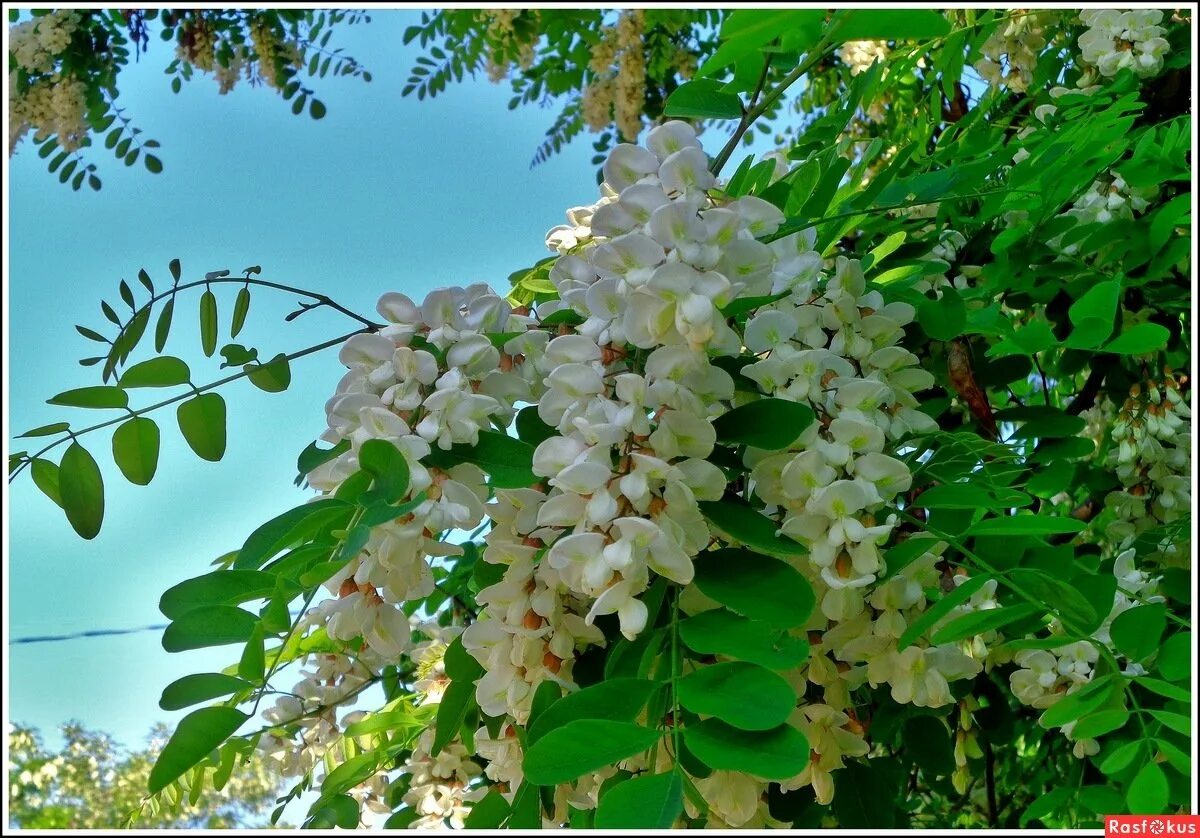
column 1151, row 825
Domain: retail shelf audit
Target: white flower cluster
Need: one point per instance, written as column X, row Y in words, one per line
column 1045, row 676
column 1011, row 51
column 441, row 788
column 627, row 398
column 35, row 44
column 860, row 55
column 54, row 102
column 1151, row 454
column 1116, row 40
column 306, row 719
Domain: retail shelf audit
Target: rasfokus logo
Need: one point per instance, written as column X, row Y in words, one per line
column 1152, row 824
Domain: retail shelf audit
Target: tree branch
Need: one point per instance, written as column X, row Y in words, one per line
column 190, row 393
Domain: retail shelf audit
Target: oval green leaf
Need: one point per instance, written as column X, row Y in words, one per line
column 192, row 689
column 209, row 625
column 650, row 801
column 767, row 423
column 614, row 699
column 721, row 632
column 165, row 371
column 92, row 397
column 776, row 754
column 81, row 489
column 135, row 450
column 194, row 739
column 274, row 376
column 202, row 422
column 580, row 747
column 755, row 586
column 208, row 323
column 745, row 695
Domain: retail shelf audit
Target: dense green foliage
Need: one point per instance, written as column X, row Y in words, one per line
column 91, row 783
column 850, row 489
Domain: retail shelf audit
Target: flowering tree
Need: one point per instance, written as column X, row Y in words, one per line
column 90, row 783
column 850, row 487
column 63, row 67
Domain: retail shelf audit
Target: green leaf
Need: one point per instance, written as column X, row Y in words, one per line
column 866, row 794
column 202, row 421
column 165, row 371
column 1137, row 631
column 776, row 754
column 383, row 461
column 767, row 423
column 755, row 586
column 930, row 744
column 47, row 430
column 488, row 813
column 745, row 695
column 938, row 610
column 175, row 270
column 192, row 689
column 1060, row 597
column 163, row 327
column 314, row 456
column 943, row 319
column 1148, row 793
column 703, row 99
column 889, row 24
column 350, row 773
column 45, row 477
column 1175, row 721
column 1122, row 757
column 1047, row 804
column 295, row 525
column 135, row 450
column 220, row 587
column 153, row 164
column 1100, row 723
column 316, row 109
column 1174, row 661
column 582, row 746
column 745, row 524
column 1162, row 688
column 1079, row 703
column 531, row 428
column 208, row 323
column 1093, row 315
column 252, row 665
column 1140, row 339
column 92, row 397
column 452, row 712
column 507, row 460
column 967, row 496
column 274, row 376
column 81, row 489
column 1027, row 525
column 197, row 734
column 459, row 664
column 649, row 801
column 979, row 622
column 721, row 632
column 614, row 699
column 1040, row 422
column 241, row 307
column 209, row 625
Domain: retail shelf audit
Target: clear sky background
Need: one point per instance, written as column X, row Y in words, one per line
column 382, row 194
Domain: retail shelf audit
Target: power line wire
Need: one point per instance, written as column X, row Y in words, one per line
column 56, row 638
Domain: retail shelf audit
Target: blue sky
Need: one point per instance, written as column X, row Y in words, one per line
column 383, row 194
